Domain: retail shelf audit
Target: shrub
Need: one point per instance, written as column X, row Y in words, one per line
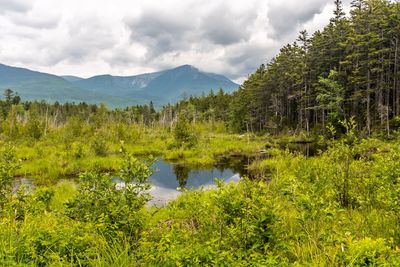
column 231, row 226
column 99, row 147
column 49, row 240
column 115, row 210
column 183, row 133
column 368, row 252
column 8, row 165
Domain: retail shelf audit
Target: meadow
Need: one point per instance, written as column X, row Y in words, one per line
column 339, row 207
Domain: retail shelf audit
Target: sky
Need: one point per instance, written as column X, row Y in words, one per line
column 128, row 37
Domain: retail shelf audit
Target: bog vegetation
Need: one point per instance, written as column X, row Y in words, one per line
column 341, row 207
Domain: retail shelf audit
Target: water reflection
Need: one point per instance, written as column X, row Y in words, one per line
column 171, row 179
column 307, row 149
column 182, row 174
column 22, row 182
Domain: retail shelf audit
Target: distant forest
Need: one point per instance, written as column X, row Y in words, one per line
column 349, row 69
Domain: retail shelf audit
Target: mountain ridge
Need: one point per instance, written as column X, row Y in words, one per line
column 161, row 87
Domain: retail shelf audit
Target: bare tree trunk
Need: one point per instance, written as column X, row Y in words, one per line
column 306, row 112
column 247, row 130
column 368, row 102
column 55, row 122
column 387, row 121
column 396, row 91
column 46, row 120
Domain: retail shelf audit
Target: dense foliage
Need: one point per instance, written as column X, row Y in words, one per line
column 339, row 208
column 351, row 68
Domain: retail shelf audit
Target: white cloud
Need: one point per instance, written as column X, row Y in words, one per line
column 15, row 6
column 124, row 37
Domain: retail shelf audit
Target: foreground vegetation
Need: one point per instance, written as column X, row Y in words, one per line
column 340, row 207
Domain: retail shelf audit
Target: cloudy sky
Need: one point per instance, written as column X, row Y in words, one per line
column 126, row 37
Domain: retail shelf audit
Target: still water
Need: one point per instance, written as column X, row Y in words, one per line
column 170, row 180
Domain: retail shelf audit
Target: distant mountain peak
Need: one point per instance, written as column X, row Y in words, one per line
column 160, row 87
column 187, row 67
column 184, row 69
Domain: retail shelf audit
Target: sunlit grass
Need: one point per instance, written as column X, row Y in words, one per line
column 55, row 157
column 309, row 225
column 63, row 191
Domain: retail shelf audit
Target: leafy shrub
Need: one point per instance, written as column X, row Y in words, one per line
column 25, row 203
column 233, row 225
column 73, row 127
column 368, row 252
column 99, row 147
column 183, row 133
column 49, row 240
column 115, row 210
column 78, row 151
column 396, row 122
column 8, row 165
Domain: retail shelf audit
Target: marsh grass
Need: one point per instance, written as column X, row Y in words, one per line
column 292, row 214
column 61, row 154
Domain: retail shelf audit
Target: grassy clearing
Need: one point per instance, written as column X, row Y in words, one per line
column 339, row 208
column 60, row 155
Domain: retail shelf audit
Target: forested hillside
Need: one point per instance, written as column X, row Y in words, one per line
column 350, row 68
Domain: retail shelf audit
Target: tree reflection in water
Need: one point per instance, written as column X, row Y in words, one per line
column 182, row 174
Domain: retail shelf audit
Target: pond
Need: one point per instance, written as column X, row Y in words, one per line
column 170, row 180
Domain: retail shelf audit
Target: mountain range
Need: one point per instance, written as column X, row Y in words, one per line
column 161, row 87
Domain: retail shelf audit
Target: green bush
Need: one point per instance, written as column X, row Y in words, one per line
column 184, row 134
column 99, row 147
column 8, row 166
column 49, row 240
column 115, row 210
column 369, row 252
column 233, row 225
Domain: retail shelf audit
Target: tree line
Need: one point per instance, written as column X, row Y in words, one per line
column 35, row 117
column 348, row 69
